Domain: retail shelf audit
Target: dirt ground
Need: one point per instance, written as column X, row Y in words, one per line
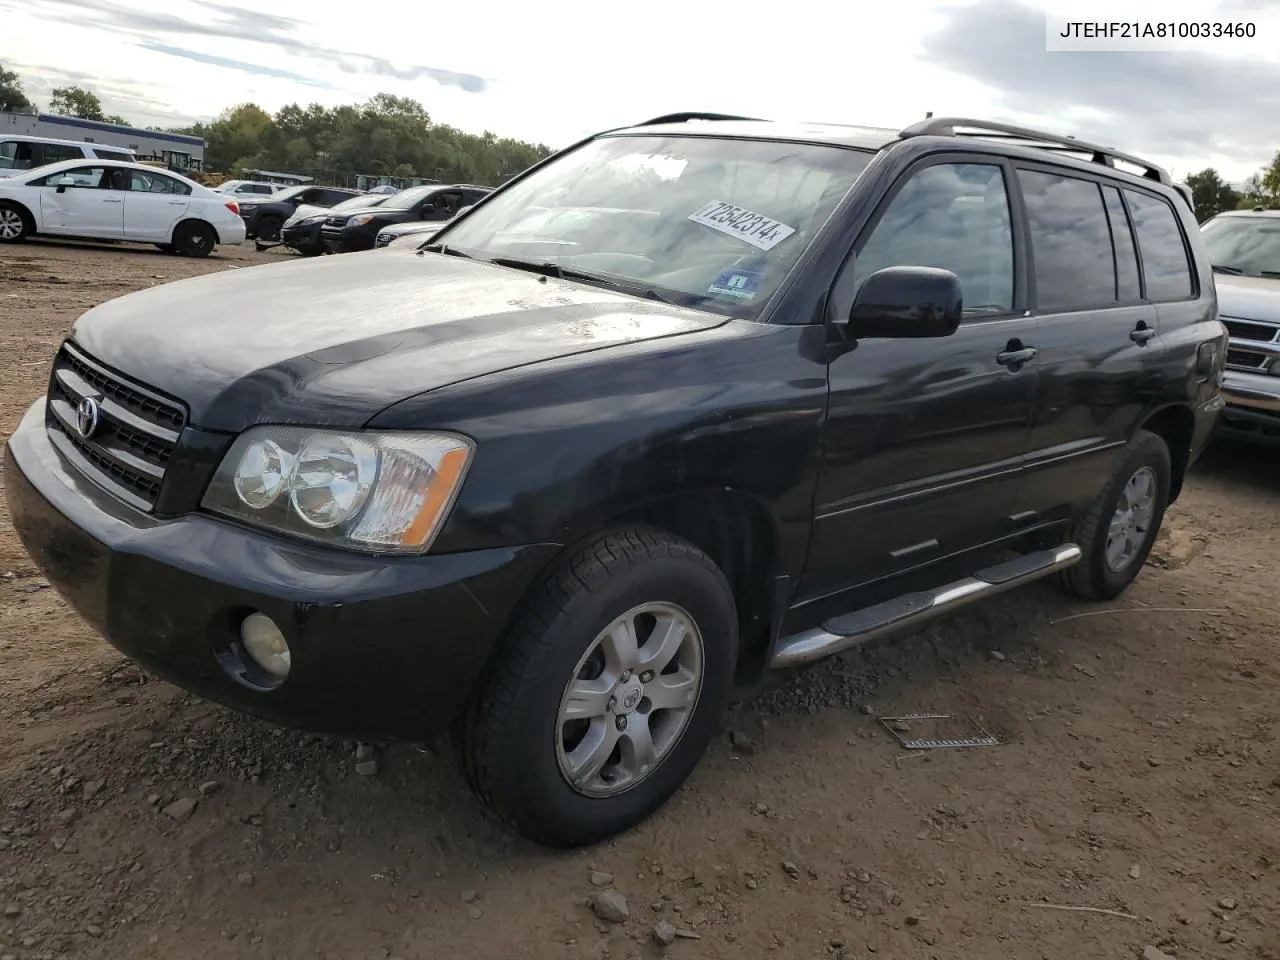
column 1138, row 772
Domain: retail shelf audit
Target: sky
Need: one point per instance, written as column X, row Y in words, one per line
column 556, row 70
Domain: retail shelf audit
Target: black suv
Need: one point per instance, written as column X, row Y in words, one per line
column 358, row 229
column 684, row 404
column 264, row 216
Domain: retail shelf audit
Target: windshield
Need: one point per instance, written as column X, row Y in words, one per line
column 1245, row 246
column 360, row 201
column 406, row 198
column 701, row 221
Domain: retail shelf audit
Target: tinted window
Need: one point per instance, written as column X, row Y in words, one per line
column 1070, row 241
column 1127, row 289
column 954, row 216
column 111, row 154
column 1164, row 256
column 57, row 152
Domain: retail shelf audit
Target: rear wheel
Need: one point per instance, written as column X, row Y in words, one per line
column 15, row 224
column 1115, row 536
column 194, row 239
column 607, row 693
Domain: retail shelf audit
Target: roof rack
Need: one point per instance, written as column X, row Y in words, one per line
column 947, row 127
column 686, row 117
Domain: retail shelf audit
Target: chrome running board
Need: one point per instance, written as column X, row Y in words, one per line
column 910, row 610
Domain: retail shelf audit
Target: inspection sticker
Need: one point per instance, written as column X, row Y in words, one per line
column 743, row 284
column 753, row 228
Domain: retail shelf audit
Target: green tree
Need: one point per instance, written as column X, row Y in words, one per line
column 116, row 118
column 75, row 102
column 1252, row 194
column 1211, row 193
column 12, row 97
column 1270, row 181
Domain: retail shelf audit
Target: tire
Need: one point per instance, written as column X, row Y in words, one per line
column 513, row 743
column 165, row 247
column 194, row 238
column 15, row 223
column 1095, row 577
column 269, row 229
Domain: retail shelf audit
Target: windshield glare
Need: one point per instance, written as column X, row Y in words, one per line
column 705, row 222
column 1248, row 245
column 364, row 200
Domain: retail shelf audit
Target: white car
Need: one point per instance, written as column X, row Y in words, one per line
column 107, row 200
column 246, row 188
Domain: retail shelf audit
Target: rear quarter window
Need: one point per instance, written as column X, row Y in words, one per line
column 1164, row 253
column 1070, row 242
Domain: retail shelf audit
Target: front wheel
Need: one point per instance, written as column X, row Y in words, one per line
column 269, row 229
column 607, row 693
column 1117, row 533
column 14, row 225
column 194, row 239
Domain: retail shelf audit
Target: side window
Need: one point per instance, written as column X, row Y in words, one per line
column 9, row 155
column 1127, row 287
column 102, row 154
column 259, row 188
column 954, row 216
column 57, row 152
column 155, row 183
column 89, row 177
column 1070, row 242
column 1164, row 255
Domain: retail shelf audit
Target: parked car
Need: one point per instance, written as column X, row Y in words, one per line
column 109, row 200
column 569, row 489
column 264, row 216
column 346, row 232
column 18, row 153
column 416, row 233
column 246, row 188
column 1244, row 247
column 301, row 232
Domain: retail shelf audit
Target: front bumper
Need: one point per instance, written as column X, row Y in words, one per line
column 302, row 236
column 348, row 239
column 1253, row 407
column 381, row 647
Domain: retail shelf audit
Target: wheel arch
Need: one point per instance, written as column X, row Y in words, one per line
column 24, row 211
column 1175, row 425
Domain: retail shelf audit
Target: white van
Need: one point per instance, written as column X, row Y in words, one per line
column 27, row 153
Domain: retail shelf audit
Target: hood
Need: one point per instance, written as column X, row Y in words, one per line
column 417, row 226
column 309, row 210
column 334, row 340
column 1248, row 298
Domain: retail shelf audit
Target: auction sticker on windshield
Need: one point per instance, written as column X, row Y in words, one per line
column 753, row 228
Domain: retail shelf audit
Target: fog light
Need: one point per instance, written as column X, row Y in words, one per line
column 266, row 644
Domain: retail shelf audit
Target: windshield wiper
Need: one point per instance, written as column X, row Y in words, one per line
column 1224, row 268
column 448, row 251
column 548, row 269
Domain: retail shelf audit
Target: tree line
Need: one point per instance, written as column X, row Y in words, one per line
column 1213, row 195
column 387, row 136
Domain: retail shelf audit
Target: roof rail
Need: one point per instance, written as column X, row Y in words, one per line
column 947, row 127
column 686, row 117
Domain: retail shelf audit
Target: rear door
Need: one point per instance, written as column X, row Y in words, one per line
column 83, row 210
column 1099, row 347
column 153, row 206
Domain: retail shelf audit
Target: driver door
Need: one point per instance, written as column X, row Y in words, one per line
column 84, row 209
column 924, row 439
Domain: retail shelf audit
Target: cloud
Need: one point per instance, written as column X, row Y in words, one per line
column 1172, row 104
column 236, row 23
column 256, row 69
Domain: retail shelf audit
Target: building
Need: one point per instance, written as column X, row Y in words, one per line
column 279, row 179
column 175, row 150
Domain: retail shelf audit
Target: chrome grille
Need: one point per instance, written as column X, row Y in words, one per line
column 1254, row 344
column 136, row 434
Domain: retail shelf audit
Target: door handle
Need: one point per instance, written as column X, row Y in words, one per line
column 1015, row 355
column 1141, row 334
column 113, row 199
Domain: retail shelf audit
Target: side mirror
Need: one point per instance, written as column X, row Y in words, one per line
column 64, row 182
column 907, row 302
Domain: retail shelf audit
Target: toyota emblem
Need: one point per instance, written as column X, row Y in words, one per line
column 87, row 418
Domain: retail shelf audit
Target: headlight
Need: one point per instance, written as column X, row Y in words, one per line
column 375, row 492
column 357, row 221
